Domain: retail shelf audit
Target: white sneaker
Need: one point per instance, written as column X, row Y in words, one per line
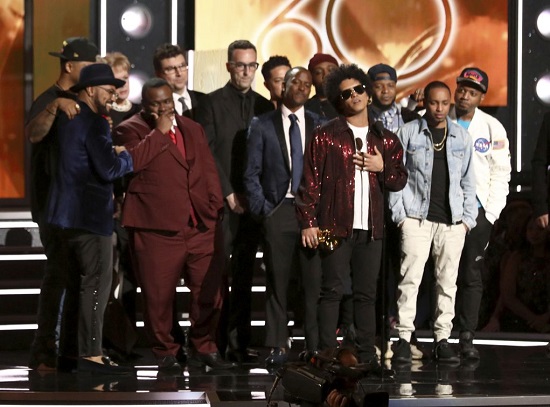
column 389, row 352
column 416, row 353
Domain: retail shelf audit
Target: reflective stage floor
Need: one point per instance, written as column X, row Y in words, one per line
column 506, row 375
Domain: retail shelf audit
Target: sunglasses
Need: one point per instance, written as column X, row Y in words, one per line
column 359, row 90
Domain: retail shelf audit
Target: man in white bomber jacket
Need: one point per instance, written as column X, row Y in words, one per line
column 492, row 167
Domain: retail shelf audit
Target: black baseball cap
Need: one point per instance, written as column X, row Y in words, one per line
column 474, row 76
column 382, row 71
column 77, row 49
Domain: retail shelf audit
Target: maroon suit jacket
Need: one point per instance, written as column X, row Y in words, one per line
column 165, row 184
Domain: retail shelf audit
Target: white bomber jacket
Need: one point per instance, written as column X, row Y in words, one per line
column 491, row 160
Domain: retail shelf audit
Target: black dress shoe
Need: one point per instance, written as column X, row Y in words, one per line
column 67, row 363
column 240, row 356
column 181, row 356
column 307, row 355
column 252, row 352
column 169, row 364
column 213, row 360
column 43, row 361
column 277, row 357
column 107, row 367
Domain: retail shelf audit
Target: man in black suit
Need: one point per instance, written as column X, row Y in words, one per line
column 225, row 115
column 171, row 65
column 272, row 176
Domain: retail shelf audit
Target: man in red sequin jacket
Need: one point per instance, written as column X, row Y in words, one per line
column 348, row 166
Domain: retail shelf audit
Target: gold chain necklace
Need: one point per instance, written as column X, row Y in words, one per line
column 439, row 146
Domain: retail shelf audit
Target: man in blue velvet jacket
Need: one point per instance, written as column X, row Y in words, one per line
column 80, row 205
column 272, row 176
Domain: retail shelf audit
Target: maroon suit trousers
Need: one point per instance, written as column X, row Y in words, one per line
column 160, row 260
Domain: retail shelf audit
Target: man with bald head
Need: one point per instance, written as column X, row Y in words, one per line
column 275, row 145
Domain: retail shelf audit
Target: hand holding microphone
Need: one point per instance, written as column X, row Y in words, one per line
column 359, row 157
column 367, row 162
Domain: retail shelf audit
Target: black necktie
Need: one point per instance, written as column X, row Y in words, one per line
column 296, row 153
column 245, row 108
column 184, row 106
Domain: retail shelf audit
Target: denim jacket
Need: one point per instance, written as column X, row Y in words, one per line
column 414, row 200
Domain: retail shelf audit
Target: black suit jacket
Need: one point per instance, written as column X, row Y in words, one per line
column 196, row 100
column 226, row 127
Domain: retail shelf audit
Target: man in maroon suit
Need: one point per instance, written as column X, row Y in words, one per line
column 171, row 210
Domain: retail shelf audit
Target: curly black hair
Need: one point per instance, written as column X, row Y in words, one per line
column 335, row 78
column 273, row 62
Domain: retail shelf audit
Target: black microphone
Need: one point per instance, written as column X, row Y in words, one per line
column 358, row 144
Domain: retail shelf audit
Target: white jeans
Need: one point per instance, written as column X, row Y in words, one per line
column 417, row 238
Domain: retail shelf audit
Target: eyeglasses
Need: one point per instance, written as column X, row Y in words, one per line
column 346, row 94
column 170, row 70
column 111, row 92
column 239, row 66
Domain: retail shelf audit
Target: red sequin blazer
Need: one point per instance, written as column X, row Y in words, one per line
column 325, row 197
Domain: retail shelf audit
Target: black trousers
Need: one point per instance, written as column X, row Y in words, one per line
column 286, row 261
column 90, row 258
column 242, row 235
column 361, row 257
column 55, row 303
column 470, row 284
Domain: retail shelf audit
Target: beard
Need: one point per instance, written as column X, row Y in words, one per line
column 103, row 109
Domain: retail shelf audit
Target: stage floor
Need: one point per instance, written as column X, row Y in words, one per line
column 506, row 375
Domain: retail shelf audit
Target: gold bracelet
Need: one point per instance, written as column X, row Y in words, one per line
column 48, row 110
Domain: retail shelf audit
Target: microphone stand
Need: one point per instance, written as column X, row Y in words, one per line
column 384, row 331
column 383, row 274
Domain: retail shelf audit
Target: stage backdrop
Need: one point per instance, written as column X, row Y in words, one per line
column 424, row 40
column 12, row 106
column 48, row 22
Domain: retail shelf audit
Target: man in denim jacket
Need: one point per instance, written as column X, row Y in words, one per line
column 436, row 208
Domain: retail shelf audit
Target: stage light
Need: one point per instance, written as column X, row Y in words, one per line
column 543, row 23
column 137, row 79
column 542, row 89
column 137, row 21
column 532, row 82
column 137, row 27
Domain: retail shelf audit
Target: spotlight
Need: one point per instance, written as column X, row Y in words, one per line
column 137, row 79
column 543, row 24
column 542, row 89
column 136, row 21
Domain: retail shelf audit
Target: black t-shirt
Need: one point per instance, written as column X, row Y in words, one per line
column 119, row 117
column 440, row 209
column 322, row 107
column 43, row 153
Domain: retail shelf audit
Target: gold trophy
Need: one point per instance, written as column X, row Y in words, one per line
column 327, row 241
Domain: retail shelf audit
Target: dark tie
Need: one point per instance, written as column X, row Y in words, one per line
column 296, row 153
column 184, row 106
